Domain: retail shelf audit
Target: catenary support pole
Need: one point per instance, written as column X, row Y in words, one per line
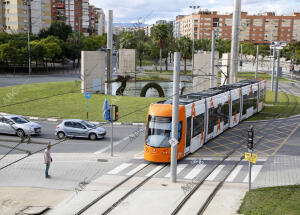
column 175, row 110
column 273, row 70
column 212, row 75
column 109, row 50
column 277, row 75
column 257, row 60
column 235, row 42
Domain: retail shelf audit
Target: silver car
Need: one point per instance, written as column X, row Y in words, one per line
column 14, row 124
column 79, row 128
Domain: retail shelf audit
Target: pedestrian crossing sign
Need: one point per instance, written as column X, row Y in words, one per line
column 250, row 157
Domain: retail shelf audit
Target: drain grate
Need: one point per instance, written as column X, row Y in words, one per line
column 102, row 160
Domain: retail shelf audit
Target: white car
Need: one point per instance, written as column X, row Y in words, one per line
column 14, row 124
column 79, row 128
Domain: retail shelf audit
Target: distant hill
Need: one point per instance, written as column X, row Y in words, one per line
column 129, row 24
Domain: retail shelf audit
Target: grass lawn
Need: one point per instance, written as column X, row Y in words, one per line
column 283, row 200
column 262, row 75
column 70, row 105
column 169, row 72
column 287, row 105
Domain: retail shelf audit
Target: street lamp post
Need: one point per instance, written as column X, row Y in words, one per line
column 193, row 47
column 28, row 35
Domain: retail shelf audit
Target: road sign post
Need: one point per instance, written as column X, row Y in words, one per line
column 87, row 95
column 250, row 150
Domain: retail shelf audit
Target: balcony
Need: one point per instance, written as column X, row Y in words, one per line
column 60, row 5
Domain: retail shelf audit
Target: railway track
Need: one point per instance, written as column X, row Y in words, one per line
column 132, row 190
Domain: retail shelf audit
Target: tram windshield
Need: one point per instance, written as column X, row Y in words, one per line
column 159, row 131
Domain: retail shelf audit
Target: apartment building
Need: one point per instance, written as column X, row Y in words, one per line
column 13, row 16
column 96, row 20
column 40, row 15
column 259, row 29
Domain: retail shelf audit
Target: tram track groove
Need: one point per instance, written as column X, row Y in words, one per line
column 85, row 208
column 131, row 191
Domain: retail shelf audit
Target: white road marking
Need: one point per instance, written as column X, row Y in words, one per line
column 139, row 167
column 154, row 170
column 195, row 171
column 255, row 170
column 180, row 167
column 234, row 173
column 108, row 147
column 119, row 168
column 214, row 174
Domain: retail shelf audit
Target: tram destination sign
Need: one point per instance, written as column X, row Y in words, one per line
column 250, row 157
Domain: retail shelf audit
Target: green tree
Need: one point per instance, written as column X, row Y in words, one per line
column 127, row 41
column 37, row 51
column 160, row 35
column 58, row 29
column 184, row 45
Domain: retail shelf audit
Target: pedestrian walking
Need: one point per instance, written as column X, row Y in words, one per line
column 48, row 160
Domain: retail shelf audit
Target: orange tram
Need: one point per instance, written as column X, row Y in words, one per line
column 202, row 117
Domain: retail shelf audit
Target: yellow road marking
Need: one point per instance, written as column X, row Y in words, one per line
column 285, row 141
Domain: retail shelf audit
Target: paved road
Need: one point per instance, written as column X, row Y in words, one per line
column 121, row 139
column 21, row 79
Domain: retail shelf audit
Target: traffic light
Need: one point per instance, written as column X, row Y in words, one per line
column 116, row 113
column 250, row 138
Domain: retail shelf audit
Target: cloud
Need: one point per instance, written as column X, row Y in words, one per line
column 151, row 10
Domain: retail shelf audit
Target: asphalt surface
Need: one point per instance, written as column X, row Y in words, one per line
column 77, row 145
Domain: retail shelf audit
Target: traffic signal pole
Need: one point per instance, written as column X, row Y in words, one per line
column 250, row 150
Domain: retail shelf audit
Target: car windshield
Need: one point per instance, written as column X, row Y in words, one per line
column 89, row 125
column 159, row 131
column 19, row 120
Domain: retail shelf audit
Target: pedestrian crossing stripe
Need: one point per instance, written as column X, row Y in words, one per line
column 192, row 171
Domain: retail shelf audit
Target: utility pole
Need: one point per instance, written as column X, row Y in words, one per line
column 273, row 70
column 212, row 75
column 109, row 51
column 257, row 56
column 175, row 110
column 277, row 75
column 241, row 57
column 28, row 35
column 235, row 41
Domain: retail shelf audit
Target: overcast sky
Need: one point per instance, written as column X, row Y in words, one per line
column 148, row 11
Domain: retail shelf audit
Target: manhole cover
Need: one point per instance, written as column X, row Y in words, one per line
column 102, row 160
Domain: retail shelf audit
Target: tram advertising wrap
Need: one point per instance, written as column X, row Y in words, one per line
column 202, row 116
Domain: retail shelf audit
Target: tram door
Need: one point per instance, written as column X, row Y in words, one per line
column 188, row 134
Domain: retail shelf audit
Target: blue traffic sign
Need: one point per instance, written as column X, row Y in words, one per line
column 88, row 95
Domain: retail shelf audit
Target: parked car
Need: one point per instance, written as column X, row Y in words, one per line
column 79, row 128
column 14, row 124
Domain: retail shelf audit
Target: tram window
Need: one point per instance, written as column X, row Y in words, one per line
column 225, row 112
column 211, row 120
column 235, row 106
column 246, row 103
column 254, row 99
column 188, row 131
column 159, row 131
column 262, row 95
column 198, row 124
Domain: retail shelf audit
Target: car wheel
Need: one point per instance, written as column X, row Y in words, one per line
column 61, row 135
column 93, row 136
column 20, row 133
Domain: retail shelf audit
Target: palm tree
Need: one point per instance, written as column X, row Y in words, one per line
column 160, row 35
column 184, row 45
